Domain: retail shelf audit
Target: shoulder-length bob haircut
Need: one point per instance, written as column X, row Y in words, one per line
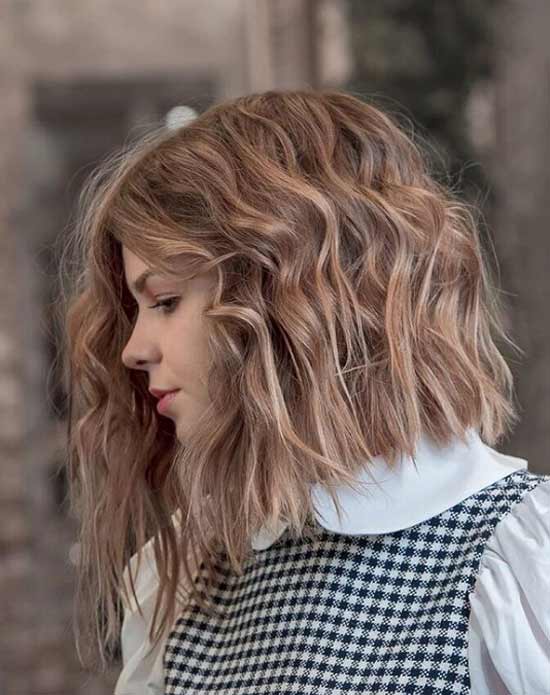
column 354, row 310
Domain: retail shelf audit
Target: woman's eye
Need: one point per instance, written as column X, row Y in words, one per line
column 166, row 306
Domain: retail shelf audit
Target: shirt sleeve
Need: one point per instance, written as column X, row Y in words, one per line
column 509, row 630
column 142, row 673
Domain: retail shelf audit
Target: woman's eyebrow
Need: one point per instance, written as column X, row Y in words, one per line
column 139, row 284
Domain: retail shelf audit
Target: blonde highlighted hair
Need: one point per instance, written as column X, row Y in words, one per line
column 354, row 311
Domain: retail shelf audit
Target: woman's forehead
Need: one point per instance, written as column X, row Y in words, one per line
column 132, row 263
column 137, row 271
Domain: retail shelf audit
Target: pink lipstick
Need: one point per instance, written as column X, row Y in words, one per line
column 164, row 403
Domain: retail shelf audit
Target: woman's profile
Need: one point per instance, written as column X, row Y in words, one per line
column 281, row 344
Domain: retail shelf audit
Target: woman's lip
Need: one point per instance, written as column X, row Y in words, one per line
column 164, row 402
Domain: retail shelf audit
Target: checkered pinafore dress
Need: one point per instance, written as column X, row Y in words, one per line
column 346, row 614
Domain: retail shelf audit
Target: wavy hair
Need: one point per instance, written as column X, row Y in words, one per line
column 354, row 310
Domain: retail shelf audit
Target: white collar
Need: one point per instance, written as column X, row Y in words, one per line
column 407, row 495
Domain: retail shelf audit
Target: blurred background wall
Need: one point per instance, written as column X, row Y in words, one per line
column 78, row 77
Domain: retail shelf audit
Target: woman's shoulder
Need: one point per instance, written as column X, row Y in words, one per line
column 509, row 640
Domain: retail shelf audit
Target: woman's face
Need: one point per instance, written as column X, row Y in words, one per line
column 170, row 342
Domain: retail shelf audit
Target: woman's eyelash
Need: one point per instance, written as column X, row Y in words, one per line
column 166, row 306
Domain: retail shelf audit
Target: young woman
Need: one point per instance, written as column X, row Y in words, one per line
column 317, row 505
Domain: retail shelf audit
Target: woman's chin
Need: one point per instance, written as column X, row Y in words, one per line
column 180, row 432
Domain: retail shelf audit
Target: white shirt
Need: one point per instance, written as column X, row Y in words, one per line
column 509, row 626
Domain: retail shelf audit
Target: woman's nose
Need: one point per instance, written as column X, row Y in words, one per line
column 138, row 356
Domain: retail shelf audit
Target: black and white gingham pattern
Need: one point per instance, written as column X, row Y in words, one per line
column 346, row 614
